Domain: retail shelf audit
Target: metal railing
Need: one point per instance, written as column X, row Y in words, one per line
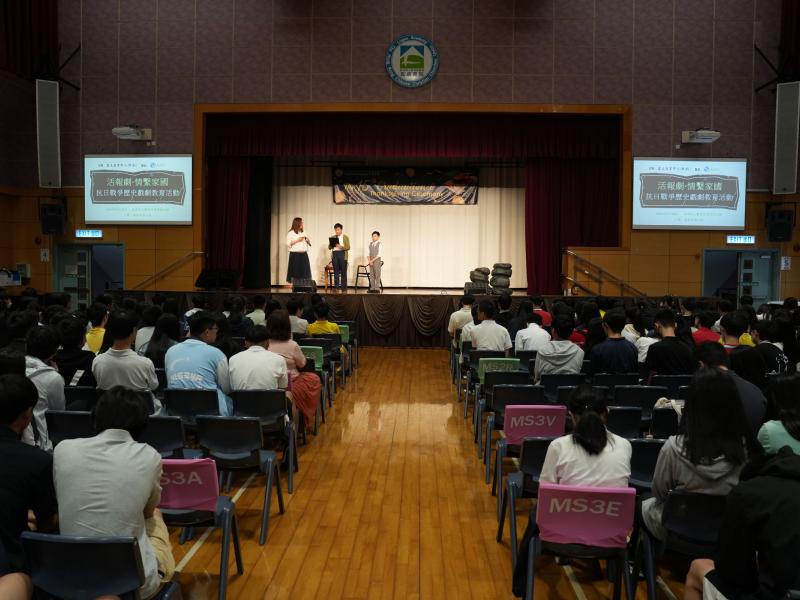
column 156, row 276
column 606, row 283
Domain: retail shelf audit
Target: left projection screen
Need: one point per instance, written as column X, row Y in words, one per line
column 139, row 189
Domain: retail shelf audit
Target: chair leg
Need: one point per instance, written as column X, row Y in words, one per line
column 500, row 455
column 186, row 535
column 534, row 549
column 278, row 489
column 225, row 550
column 487, row 459
column 229, row 481
column 323, row 398
column 269, row 474
column 292, row 459
column 511, row 491
column 627, row 578
column 501, row 520
column 237, row 550
column 460, row 380
column 479, row 428
column 649, row 565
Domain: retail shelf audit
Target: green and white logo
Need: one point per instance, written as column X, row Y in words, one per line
column 412, row 61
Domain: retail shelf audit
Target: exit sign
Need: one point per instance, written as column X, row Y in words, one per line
column 742, row 239
column 89, row 233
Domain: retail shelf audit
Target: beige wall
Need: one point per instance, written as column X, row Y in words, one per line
column 670, row 262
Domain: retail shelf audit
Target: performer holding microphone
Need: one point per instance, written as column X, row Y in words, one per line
column 298, row 244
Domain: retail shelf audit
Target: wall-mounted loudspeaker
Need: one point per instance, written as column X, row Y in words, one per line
column 53, row 218
column 787, row 132
column 779, row 225
column 48, row 139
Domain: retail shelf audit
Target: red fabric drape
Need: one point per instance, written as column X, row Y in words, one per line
column 29, row 37
column 790, row 40
column 567, row 203
column 484, row 136
column 226, row 202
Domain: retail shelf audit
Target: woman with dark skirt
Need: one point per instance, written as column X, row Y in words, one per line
column 298, row 243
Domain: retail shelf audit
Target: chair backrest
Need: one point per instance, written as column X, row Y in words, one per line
column 80, row 397
column 694, row 517
column 526, row 421
column 564, row 392
column 189, row 484
column 673, row 383
column 345, row 333
column 335, row 338
column 466, row 347
column 476, row 355
column 230, row 440
column 586, row 367
column 625, row 421
column 683, row 392
column 352, row 329
column 525, row 358
column 612, row 380
column 190, row 403
column 326, row 344
column 161, row 375
column 553, row 381
column 532, row 455
column 493, row 378
column 67, row 566
column 504, row 395
column 315, row 353
column 644, row 455
column 592, row 516
column 643, row 396
column 664, row 423
column 260, row 403
column 165, row 434
column 67, row 425
column 487, row 365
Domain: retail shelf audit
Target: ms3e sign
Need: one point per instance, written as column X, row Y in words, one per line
column 610, row 508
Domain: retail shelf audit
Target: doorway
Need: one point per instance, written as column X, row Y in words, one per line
column 731, row 274
column 87, row 270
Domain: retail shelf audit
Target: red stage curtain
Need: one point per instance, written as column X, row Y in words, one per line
column 226, row 201
column 567, row 203
column 29, row 37
column 482, row 136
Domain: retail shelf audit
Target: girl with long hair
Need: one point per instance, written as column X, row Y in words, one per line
column 784, row 410
column 297, row 243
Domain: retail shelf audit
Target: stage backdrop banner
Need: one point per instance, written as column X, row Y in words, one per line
column 405, row 185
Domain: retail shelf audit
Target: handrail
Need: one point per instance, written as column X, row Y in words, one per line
column 599, row 277
column 167, row 269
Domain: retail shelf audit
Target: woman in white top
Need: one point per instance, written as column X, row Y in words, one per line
column 297, row 242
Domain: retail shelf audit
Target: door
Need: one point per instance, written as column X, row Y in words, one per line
column 756, row 275
column 73, row 273
column 721, row 274
column 108, row 268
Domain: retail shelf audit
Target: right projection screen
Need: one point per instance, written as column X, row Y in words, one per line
column 689, row 193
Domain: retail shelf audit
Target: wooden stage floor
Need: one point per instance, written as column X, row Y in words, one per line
column 389, row 503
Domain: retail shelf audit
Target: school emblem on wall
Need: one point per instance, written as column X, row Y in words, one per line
column 412, row 61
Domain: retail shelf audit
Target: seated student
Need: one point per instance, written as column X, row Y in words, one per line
column 17, row 325
column 321, row 324
column 110, row 485
column 504, row 316
column 538, row 308
column 74, row 363
column 704, row 321
column 765, row 337
column 198, row 304
column 120, row 366
column 784, row 409
column 258, row 316
column 520, row 321
column 533, row 337
column 724, row 307
column 636, row 333
column 225, row 340
column 256, row 368
column 305, row 386
column 147, row 326
column 707, row 455
column 42, row 345
column 590, row 456
column 565, row 310
column 272, row 306
column 26, row 472
column 748, row 364
column 195, row 364
column 558, row 355
column 166, row 334
column 488, row 335
column 712, row 356
column 759, row 540
column 238, row 323
column 98, row 315
column 615, row 354
column 308, row 312
column 466, row 330
column 670, row 355
column 295, row 309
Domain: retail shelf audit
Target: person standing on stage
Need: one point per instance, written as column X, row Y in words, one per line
column 339, row 254
column 298, row 243
column 374, row 261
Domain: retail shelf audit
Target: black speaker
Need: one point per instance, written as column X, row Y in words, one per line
column 304, row 286
column 53, row 218
column 779, row 225
column 211, row 279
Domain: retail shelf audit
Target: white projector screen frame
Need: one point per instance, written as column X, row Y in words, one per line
column 674, row 217
column 173, row 210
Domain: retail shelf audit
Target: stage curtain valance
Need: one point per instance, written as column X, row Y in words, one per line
column 510, row 136
column 29, row 37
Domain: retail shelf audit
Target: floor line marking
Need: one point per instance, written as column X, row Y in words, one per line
column 663, row 585
column 576, row 585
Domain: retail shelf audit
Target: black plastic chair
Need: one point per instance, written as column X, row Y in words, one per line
column 471, row 374
column 793, row 595
column 683, row 392
column 483, row 402
column 664, row 423
column 235, row 444
column 272, row 409
column 563, row 393
column 68, row 425
column 527, row 359
column 352, row 342
column 644, row 455
column 166, row 435
column 553, row 381
column 643, row 396
column 625, row 421
column 335, row 354
column 692, row 523
column 523, row 483
column 673, row 383
column 88, row 567
column 188, row 404
column 328, row 363
column 586, row 367
column 612, row 380
column 80, row 398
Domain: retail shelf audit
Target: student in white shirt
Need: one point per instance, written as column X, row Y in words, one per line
column 295, row 309
column 466, row 330
column 258, row 316
column 257, row 368
column 461, row 317
column 533, row 337
column 489, row 335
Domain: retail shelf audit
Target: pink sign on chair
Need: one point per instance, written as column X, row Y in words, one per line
column 189, row 484
column 531, row 420
column 568, row 514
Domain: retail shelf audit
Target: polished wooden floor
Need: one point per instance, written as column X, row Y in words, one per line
column 389, row 503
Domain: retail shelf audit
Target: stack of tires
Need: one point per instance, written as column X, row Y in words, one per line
column 478, row 281
column 501, row 278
